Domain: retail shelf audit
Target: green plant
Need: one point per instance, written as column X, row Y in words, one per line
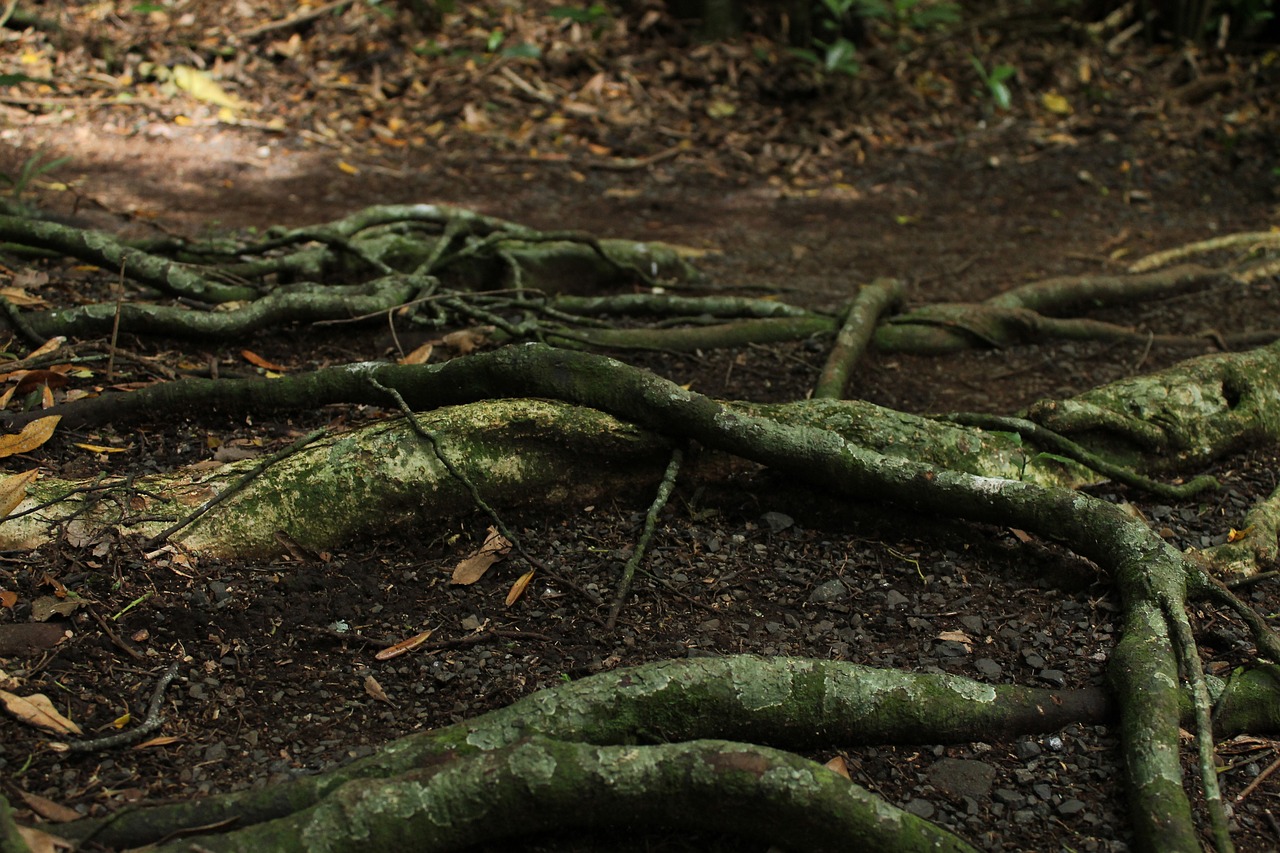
column 31, row 169
column 835, row 53
column 593, row 14
column 993, row 80
column 914, row 14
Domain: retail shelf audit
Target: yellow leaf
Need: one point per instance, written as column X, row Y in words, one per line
column 1236, row 535
column 32, row 436
column 348, row 168
column 121, row 721
column 13, row 489
column 720, row 109
column 98, row 448
column 38, row 711
column 1056, row 104
column 199, row 85
column 518, row 588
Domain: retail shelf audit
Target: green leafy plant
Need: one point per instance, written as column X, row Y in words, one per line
column 994, row 81
column 593, row 14
column 914, row 14
column 835, row 53
column 31, row 169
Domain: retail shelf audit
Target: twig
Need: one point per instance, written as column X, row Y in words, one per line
column 455, row 472
column 1258, row 780
column 150, row 724
column 646, row 536
column 296, row 20
column 248, row 478
column 1193, row 671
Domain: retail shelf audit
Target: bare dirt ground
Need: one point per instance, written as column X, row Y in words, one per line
column 800, row 191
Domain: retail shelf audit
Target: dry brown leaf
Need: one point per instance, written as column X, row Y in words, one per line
column 464, row 341
column 258, row 361
column 13, row 489
column 38, row 711
column 472, row 568
column 48, row 346
column 164, row 740
column 43, row 842
column 837, row 765
column 957, row 637
column 48, row 809
column 8, row 598
column 518, row 588
column 403, row 646
column 419, row 355
column 32, row 436
column 374, row 689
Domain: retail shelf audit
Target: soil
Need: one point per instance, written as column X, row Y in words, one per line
column 800, row 189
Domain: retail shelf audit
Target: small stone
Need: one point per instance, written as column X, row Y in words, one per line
column 777, row 521
column 1027, row 749
column 987, row 667
column 1056, row 677
column 1070, row 807
column 920, row 808
column 831, row 591
column 893, row 598
column 961, row 779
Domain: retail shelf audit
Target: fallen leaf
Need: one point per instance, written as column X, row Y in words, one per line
column 837, row 765
column 37, row 710
column 98, row 448
column 49, row 345
column 42, row 842
column 30, row 380
column 374, row 689
column 199, row 85
column 48, row 809
column 518, row 588
column 164, row 740
column 1236, row 535
column 472, row 568
column 346, row 167
column 13, row 489
column 957, row 637
column 258, row 361
column 464, row 341
column 46, row 607
column 1056, row 104
column 403, row 646
column 419, row 355
column 32, row 436
column 8, row 598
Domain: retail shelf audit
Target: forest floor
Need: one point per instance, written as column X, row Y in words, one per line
column 795, row 186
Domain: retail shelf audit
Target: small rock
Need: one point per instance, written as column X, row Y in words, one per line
column 959, row 778
column 1056, row 677
column 1070, row 807
column 832, row 590
column 893, row 598
column 987, row 667
column 920, row 808
column 777, row 521
column 1027, row 749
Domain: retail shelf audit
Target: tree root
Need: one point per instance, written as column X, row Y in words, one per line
column 792, row 703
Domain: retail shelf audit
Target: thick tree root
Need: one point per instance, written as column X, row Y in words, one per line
column 791, row 703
